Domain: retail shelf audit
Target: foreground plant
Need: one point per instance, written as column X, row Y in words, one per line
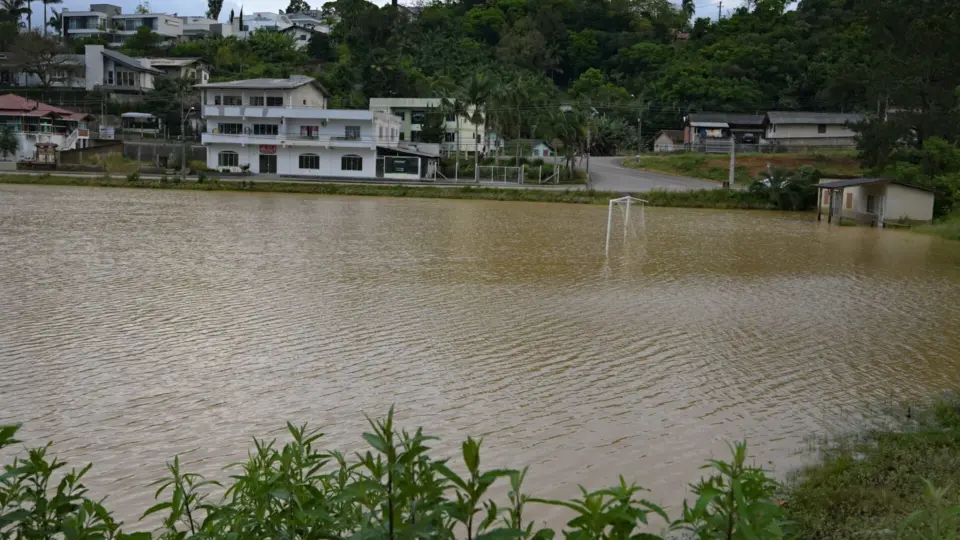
column 393, row 490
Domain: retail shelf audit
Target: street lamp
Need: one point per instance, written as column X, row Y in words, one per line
column 183, row 144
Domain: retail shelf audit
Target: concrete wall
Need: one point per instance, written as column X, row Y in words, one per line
column 303, row 96
column 908, row 203
column 288, row 160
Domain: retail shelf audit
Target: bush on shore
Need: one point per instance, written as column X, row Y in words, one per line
column 395, row 489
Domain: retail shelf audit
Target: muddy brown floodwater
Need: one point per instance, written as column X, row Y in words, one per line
column 138, row 324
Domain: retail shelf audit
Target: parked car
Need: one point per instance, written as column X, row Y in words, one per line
column 749, row 138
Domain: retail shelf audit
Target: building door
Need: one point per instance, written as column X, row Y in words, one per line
column 268, row 164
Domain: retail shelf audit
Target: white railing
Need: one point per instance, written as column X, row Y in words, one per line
column 70, row 140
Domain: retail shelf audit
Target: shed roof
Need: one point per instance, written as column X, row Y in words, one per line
column 725, row 118
column 797, row 117
column 172, row 62
column 840, row 184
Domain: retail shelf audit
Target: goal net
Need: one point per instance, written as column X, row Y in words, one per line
column 625, row 214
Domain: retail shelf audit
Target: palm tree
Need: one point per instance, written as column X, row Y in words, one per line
column 14, row 10
column 688, row 8
column 478, row 91
column 458, row 108
column 45, row 4
column 56, row 21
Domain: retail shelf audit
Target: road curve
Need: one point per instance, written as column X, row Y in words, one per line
column 609, row 175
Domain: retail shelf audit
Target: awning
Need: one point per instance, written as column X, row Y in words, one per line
column 840, row 184
column 137, row 115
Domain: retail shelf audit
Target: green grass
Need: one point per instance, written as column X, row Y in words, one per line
column 947, row 227
column 716, row 167
column 865, row 486
column 723, row 199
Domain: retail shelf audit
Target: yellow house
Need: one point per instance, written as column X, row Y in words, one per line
column 875, row 201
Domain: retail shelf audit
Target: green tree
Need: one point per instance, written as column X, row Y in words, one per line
column 9, row 144
column 457, row 108
column 45, row 4
column 56, row 21
column 145, row 42
column 296, row 6
column 42, row 56
column 142, row 8
column 213, row 9
column 477, row 94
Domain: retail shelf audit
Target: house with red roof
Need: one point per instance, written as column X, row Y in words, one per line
column 34, row 122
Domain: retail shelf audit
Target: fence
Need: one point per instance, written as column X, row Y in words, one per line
column 722, row 146
column 159, row 153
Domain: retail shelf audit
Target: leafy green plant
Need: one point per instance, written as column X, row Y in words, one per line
column 736, row 502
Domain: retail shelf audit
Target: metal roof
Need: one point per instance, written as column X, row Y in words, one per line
column 129, row 62
column 795, row 117
column 171, row 62
column 266, row 84
column 840, row 184
column 726, row 118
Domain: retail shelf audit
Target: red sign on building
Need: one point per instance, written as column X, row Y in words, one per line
column 268, row 149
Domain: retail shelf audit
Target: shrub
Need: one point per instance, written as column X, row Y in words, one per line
column 393, row 490
column 198, row 166
column 133, row 178
column 201, row 177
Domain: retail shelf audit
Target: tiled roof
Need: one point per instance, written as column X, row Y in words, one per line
column 14, row 105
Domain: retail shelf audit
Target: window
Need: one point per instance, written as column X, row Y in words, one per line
column 380, row 132
column 417, row 117
column 414, row 136
column 309, row 161
column 309, row 131
column 110, row 78
column 228, row 159
column 126, row 78
column 216, row 100
column 230, row 129
column 401, row 115
column 351, row 163
column 274, row 102
column 266, row 129
column 536, row 152
column 401, row 135
column 303, row 37
column 449, row 137
column 871, row 204
column 849, row 201
column 352, row 133
column 232, row 100
column 451, row 118
column 821, row 128
column 256, row 101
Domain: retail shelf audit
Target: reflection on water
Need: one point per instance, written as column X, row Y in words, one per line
column 138, row 324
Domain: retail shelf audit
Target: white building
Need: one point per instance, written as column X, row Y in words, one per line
column 309, row 19
column 261, row 20
column 33, row 123
column 99, row 68
column 199, row 27
column 187, row 68
column 810, row 128
column 875, row 201
column 108, row 21
column 412, row 113
column 301, row 35
column 283, row 126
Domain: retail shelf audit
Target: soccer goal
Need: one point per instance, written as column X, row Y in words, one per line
column 630, row 212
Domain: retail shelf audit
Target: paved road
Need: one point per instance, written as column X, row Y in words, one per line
column 609, row 175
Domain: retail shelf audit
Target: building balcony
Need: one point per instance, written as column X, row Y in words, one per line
column 288, row 140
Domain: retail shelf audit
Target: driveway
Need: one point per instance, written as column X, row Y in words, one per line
column 609, row 175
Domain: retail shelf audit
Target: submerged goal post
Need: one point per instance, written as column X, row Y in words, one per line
column 625, row 203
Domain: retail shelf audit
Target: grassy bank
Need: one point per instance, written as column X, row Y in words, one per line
column 725, row 199
column 947, row 227
column 716, row 167
column 869, row 486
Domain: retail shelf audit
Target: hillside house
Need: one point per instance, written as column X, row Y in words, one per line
column 668, row 140
column 810, row 128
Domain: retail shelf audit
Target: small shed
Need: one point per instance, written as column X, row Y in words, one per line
column 668, row 140
column 875, row 201
column 46, row 152
column 542, row 149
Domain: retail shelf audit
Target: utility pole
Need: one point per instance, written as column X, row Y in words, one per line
column 183, row 142
column 733, row 159
column 719, row 10
column 589, row 184
column 639, row 132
